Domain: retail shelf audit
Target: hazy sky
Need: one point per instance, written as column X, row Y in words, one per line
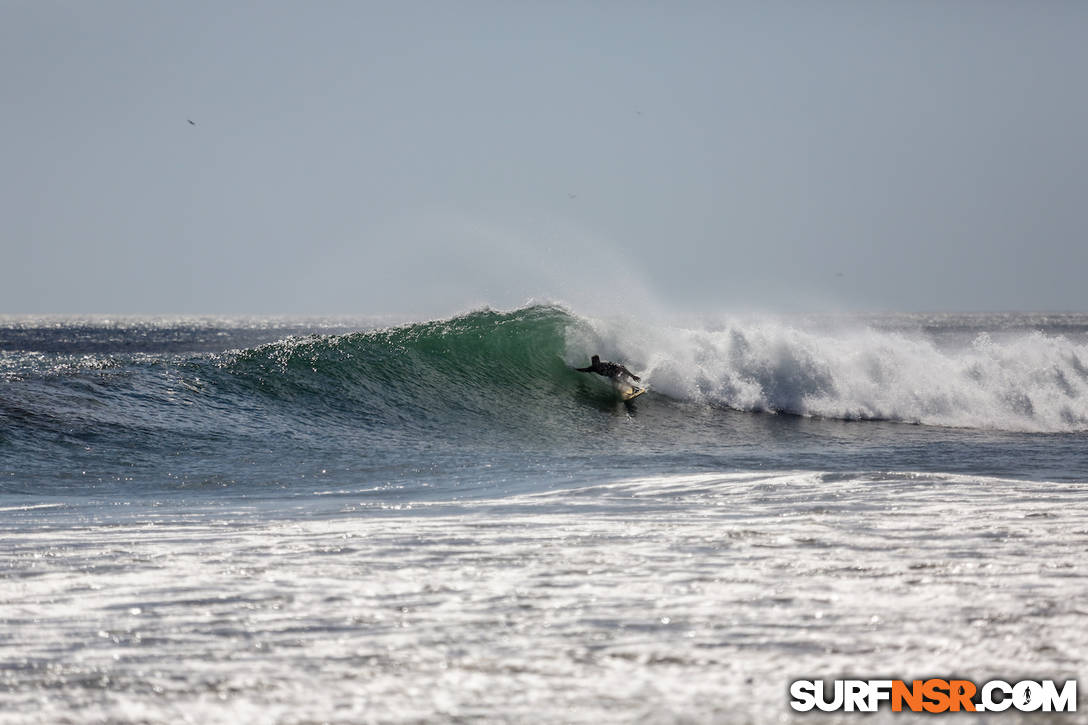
column 424, row 157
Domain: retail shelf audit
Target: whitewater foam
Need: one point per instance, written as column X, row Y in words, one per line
column 1027, row 381
column 663, row 599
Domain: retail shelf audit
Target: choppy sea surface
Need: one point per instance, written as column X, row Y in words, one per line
column 215, row 520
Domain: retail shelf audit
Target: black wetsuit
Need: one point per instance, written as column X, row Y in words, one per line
column 609, row 370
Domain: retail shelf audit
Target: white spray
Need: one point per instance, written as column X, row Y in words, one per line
column 1025, row 381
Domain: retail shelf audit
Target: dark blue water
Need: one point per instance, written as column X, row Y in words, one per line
column 488, row 402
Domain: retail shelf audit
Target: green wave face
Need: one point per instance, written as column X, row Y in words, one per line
column 371, row 404
column 483, row 362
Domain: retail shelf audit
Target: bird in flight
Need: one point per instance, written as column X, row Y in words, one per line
column 191, row 123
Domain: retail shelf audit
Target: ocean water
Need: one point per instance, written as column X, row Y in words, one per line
column 308, row 521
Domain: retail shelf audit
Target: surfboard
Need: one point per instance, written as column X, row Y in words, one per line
column 630, row 392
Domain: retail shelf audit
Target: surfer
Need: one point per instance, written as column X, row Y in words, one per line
column 608, row 369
